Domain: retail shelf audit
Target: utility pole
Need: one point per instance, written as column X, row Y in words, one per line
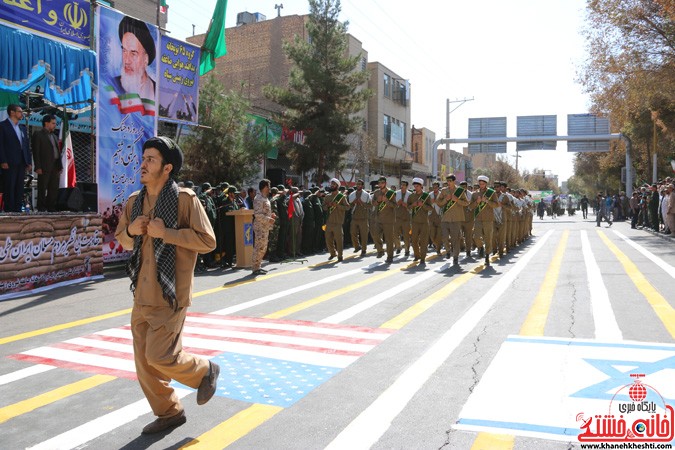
column 279, row 8
column 517, row 157
column 448, row 111
column 193, row 29
column 447, row 118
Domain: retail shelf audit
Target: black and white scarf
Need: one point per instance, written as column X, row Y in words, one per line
column 166, row 209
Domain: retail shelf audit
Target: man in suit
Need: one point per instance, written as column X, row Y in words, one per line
column 47, row 158
column 15, row 159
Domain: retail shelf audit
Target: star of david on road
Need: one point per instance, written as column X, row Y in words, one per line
column 617, row 378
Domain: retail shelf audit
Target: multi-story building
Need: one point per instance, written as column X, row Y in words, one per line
column 421, row 145
column 389, row 120
column 255, row 58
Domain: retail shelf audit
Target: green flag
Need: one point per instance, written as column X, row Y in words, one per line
column 214, row 44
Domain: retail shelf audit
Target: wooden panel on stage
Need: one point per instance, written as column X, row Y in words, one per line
column 39, row 250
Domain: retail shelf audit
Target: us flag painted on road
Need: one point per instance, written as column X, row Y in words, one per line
column 279, row 349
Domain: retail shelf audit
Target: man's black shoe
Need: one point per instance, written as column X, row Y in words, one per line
column 389, row 260
column 455, row 262
column 331, row 257
column 165, row 423
column 363, row 253
column 208, row 385
column 339, row 258
column 357, row 249
column 481, row 252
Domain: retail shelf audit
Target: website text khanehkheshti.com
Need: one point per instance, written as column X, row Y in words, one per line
column 627, row 445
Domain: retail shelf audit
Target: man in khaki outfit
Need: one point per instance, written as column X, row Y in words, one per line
column 166, row 227
column 419, row 205
column 336, row 205
column 359, row 201
column 402, row 223
column 484, row 201
column 467, row 225
column 435, row 218
column 385, row 202
column 452, row 201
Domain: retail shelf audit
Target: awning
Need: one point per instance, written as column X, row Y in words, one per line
column 26, row 59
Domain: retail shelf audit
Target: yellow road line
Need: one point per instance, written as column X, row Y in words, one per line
column 234, row 428
column 661, row 307
column 25, row 406
column 536, row 319
column 335, row 293
column 76, row 323
column 63, row 326
column 327, row 296
column 533, row 326
column 418, row 308
column 489, row 441
column 249, row 281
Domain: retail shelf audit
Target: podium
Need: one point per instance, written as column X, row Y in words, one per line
column 243, row 235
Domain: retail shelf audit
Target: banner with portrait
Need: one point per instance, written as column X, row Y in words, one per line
column 63, row 19
column 126, row 115
column 178, row 81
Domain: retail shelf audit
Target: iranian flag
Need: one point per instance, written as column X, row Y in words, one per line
column 68, row 178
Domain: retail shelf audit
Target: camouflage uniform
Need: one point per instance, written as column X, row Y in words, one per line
column 262, row 212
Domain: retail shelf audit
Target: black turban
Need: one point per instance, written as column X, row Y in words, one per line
column 139, row 29
column 170, row 151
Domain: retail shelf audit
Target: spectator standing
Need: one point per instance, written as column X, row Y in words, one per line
column 15, row 159
column 584, row 206
column 48, row 166
column 654, row 208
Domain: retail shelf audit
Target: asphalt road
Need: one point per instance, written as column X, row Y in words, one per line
column 359, row 354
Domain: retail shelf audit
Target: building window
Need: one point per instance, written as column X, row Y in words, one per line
column 387, row 85
column 387, row 128
column 364, row 64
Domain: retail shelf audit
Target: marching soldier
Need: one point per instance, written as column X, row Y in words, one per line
column 402, row 223
column 467, row 225
column 359, row 201
column 485, row 200
column 435, row 218
column 385, row 201
column 452, row 201
column 506, row 200
column 419, row 205
column 335, row 204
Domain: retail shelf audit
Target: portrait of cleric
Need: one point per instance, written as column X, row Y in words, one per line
column 133, row 90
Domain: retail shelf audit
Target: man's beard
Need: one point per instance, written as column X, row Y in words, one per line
column 131, row 82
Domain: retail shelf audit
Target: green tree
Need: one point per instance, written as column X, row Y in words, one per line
column 227, row 148
column 326, row 88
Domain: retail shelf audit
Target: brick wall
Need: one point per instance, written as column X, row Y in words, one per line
column 255, row 57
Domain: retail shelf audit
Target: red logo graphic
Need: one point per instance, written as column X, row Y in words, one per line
column 646, row 418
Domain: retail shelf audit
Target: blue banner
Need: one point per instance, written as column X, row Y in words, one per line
column 125, row 114
column 178, row 81
column 65, row 19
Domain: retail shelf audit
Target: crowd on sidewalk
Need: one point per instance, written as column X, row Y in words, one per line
column 651, row 207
